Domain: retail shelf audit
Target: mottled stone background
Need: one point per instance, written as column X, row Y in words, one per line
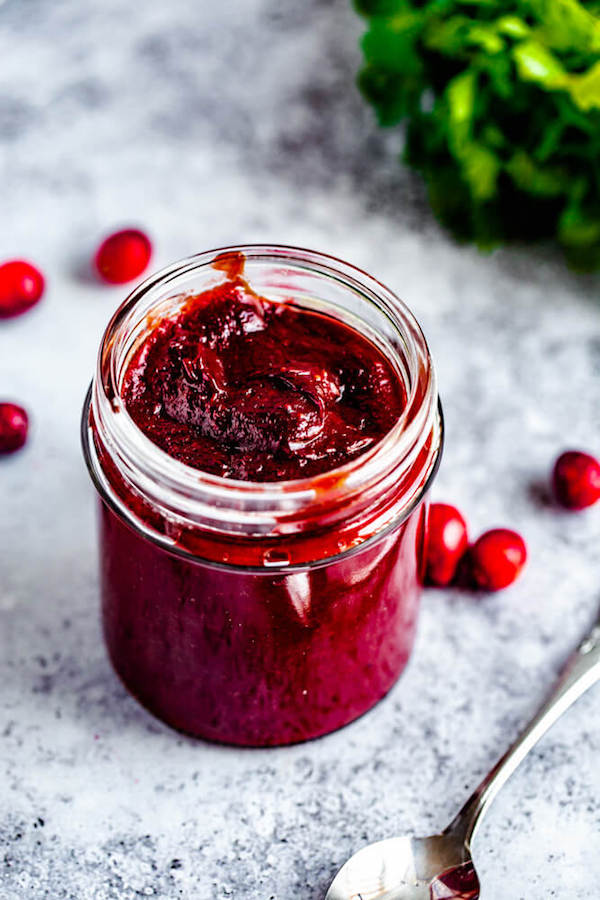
column 214, row 122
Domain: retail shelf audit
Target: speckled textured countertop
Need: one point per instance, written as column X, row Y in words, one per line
column 217, row 122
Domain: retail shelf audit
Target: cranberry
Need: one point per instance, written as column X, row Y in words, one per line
column 123, row 255
column 576, row 479
column 13, row 427
column 447, row 541
column 496, row 559
column 21, row 286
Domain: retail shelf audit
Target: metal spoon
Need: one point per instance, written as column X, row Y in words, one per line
column 440, row 867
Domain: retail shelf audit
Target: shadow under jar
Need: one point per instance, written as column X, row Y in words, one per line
column 262, row 612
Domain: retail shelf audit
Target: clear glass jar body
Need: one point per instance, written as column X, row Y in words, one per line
column 261, row 614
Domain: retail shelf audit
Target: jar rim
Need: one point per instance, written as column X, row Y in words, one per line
column 258, row 505
column 110, row 499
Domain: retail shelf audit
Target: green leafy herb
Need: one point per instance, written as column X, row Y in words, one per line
column 501, row 100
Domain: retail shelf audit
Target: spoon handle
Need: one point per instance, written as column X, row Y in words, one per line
column 580, row 673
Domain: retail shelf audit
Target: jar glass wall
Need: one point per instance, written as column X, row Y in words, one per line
column 262, row 613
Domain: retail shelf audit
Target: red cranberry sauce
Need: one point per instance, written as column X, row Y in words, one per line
column 249, row 389
column 210, row 635
column 460, row 883
column 259, row 658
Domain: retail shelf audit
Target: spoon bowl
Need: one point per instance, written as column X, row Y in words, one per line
column 440, row 867
column 405, row 868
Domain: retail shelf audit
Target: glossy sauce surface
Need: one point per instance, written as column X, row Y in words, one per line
column 246, row 388
column 459, row 883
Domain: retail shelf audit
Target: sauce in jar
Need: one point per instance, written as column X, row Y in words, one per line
column 262, row 449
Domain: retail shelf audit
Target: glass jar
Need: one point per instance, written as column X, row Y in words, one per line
column 262, row 613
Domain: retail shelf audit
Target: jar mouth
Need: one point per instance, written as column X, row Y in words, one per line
column 192, row 497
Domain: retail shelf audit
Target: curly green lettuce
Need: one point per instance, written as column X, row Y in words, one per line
column 501, row 101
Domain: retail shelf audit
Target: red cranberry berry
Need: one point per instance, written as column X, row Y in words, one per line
column 21, row 286
column 447, row 541
column 123, row 255
column 13, row 427
column 496, row 559
column 576, row 479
